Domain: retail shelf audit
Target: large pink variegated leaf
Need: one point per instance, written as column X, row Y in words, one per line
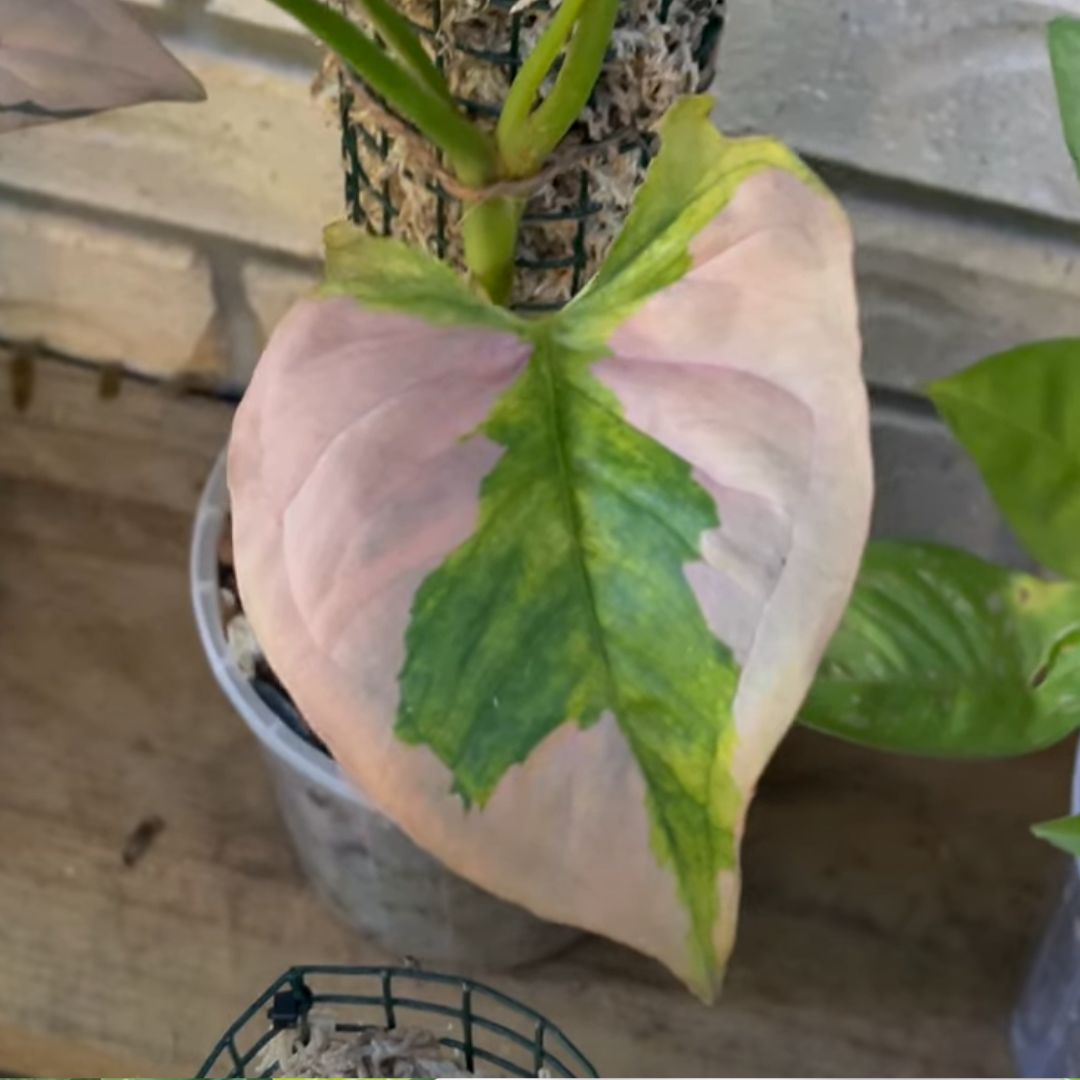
column 552, row 591
column 61, row 59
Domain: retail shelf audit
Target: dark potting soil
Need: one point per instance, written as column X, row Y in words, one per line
column 263, row 681
column 276, row 698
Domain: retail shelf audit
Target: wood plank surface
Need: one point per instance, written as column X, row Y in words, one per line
column 890, row 904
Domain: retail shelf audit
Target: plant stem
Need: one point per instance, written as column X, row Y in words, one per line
column 489, row 230
column 525, row 139
column 401, row 37
column 469, row 150
column 512, row 131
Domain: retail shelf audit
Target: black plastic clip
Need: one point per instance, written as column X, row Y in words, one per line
column 290, row 1007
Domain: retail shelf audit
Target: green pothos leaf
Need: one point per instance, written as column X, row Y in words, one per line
column 552, row 590
column 1064, row 40
column 1018, row 415
column 941, row 653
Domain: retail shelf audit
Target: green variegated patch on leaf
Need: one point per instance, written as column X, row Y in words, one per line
column 388, row 276
column 941, row 653
column 687, row 186
column 550, row 614
column 552, row 590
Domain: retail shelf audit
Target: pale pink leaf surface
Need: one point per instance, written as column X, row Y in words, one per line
column 352, row 478
column 62, row 59
column 748, row 368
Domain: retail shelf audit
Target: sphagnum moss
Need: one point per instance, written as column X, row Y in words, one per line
column 660, row 50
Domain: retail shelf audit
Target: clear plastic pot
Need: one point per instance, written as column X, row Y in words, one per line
column 1046, row 1024
column 363, row 866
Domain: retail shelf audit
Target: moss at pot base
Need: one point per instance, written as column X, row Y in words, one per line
column 336, row 1018
column 326, row 1050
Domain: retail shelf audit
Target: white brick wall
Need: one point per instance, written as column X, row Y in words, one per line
column 942, row 285
column 260, row 12
column 104, row 293
column 272, row 290
column 953, row 94
column 257, row 162
column 116, row 231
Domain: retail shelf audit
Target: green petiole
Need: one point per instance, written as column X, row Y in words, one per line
column 512, row 131
column 489, row 230
column 401, row 37
column 526, row 136
column 469, row 150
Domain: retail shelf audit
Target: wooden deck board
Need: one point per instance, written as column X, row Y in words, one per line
column 890, row 904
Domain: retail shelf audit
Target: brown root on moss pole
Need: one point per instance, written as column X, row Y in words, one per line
column 661, row 49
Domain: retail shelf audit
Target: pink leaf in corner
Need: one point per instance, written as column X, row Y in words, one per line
column 62, row 59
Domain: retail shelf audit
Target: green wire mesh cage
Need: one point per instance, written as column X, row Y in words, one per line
column 660, row 50
column 492, row 1033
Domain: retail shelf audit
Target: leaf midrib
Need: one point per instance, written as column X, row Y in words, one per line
column 560, row 437
column 571, row 511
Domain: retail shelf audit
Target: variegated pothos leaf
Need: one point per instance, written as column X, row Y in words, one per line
column 575, row 573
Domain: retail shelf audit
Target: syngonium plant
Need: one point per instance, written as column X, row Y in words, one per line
column 552, row 589
column 65, row 59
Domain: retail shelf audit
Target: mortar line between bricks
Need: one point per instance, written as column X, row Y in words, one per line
column 143, row 227
column 220, row 390
column 931, row 201
column 882, row 399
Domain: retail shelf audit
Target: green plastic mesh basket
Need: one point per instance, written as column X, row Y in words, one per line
column 491, row 1031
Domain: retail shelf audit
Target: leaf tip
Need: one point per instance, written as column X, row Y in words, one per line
column 341, row 232
column 1062, row 833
